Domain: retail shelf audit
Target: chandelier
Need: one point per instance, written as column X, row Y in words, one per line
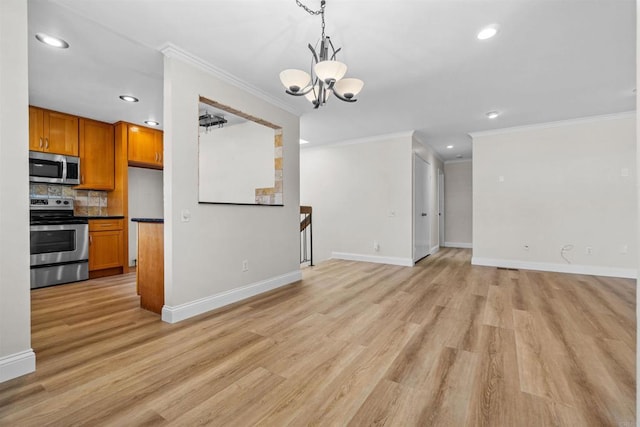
column 326, row 76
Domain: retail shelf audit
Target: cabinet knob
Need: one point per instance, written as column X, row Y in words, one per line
column 41, row 142
column 46, row 143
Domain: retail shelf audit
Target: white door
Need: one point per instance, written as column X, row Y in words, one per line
column 421, row 213
column 441, row 207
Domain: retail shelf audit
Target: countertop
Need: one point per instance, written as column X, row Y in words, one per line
column 101, row 217
column 156, row 220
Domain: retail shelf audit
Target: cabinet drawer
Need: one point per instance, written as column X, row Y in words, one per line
column 105, row 224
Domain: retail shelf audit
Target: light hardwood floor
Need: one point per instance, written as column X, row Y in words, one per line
column 444, row 343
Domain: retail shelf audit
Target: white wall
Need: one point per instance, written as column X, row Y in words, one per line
column 422, row 149
column 547, row 186
column 204, row 257
column 16, row 356
column 637, row 207
column 243, row 151
column 354, row 189
column 458, row 203
column 145, row 201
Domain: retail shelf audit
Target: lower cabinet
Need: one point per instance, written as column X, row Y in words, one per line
column 106, row 238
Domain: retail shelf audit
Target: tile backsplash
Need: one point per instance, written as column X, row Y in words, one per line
column 87, row 202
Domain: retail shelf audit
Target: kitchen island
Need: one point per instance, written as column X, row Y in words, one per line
column 150, row 266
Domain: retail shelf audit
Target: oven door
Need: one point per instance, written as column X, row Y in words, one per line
column 56, row 243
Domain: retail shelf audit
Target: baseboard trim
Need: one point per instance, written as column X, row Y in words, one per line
column 17, row 364
column 592, row 270
column 458, row 245
column 184, row 311
column 434, row 249
column 406, row 262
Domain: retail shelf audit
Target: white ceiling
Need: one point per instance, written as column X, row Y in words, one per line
column 422, row 65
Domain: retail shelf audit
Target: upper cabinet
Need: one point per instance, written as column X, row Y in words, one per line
column 53, row 132
column 144, row 147
column 97, row 155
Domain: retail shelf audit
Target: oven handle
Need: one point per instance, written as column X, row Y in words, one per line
column 45, row 222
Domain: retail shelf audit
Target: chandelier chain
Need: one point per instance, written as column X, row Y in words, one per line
column 314, row 12
column 311, row 12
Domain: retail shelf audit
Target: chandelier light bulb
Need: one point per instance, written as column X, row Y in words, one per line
column 348, row 88
column 330, row 71
column 315, row 93
column 295, row 80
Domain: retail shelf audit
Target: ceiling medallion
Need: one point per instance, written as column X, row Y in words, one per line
column 326, row 76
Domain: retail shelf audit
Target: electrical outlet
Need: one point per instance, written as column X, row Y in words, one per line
column 245, row 265
column 376, row 246
column 525, row 247
column 589, row 250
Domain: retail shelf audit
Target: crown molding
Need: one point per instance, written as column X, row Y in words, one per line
column 548, row 125
column 448, row 162
column 170, row 50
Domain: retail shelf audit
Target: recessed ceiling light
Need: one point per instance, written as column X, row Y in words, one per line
column 488, row 32
column 303, row 141
column 128, row 98
column 449, row 147
column 152, row 123
column 52, row 41
column 492, row 114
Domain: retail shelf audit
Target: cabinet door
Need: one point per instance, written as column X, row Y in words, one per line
column 158, row 147
column 97, row 155
column 60, row 133
column 144, row 147
column 105, row 249
column 36, row 129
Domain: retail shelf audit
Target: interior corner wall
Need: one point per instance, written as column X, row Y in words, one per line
column 427, row 154
column 16, row 356
column 571, row 185
column 204, row 256
column 360, row 193
column 458, row 204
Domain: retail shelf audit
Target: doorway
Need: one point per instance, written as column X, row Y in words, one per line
column 421, row 211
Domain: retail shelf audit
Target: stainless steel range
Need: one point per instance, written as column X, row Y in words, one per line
column 59, row 243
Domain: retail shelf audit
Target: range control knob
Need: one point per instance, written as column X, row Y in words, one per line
column 58, row 202
column 66, row 202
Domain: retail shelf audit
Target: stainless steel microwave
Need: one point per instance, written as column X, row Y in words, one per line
column 54, row 168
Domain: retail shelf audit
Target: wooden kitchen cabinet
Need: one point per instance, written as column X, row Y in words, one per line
column 144, row 147
column 97, row 155
column 105, row 247
column 53, row 132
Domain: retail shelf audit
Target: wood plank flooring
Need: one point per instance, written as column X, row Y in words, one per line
column 443, row 344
